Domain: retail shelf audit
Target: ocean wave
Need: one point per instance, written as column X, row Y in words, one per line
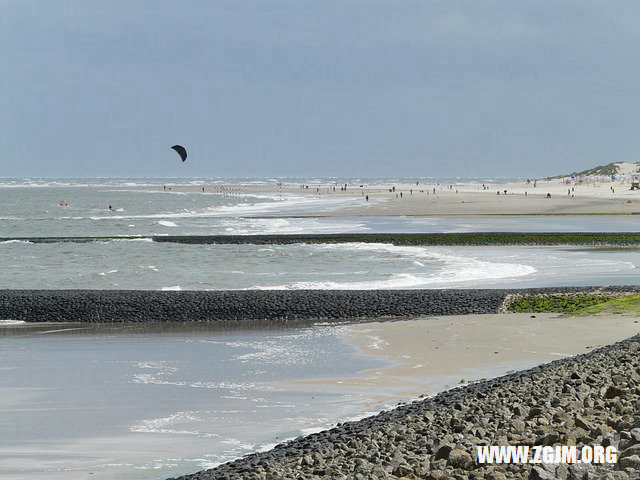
column 449, row 269
column 265, row 226
column 126, row 240
column 108, row 273
column 282, row 205
column 5, row 242
column 9, row 322
column 81, row 240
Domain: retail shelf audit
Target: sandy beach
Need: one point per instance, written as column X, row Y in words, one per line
column 463, row 347
column 432, row 354
column 553, row 197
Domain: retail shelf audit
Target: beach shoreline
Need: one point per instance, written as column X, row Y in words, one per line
column 459, row 349
column 592, row 395
column 549, row 197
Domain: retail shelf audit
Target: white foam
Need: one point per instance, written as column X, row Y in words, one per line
column 173, row 424
column 283, row 349
column 284, row 203
column 14, row 241
column 125, row 240
column 451, row 269
column 312, row 430
column 246, row 226
column 107, row 273
column 377, row 343
column 9, row 322
column 172, row 288
column 166, row 223
column 238, row 443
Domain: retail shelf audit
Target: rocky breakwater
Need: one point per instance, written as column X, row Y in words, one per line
column 591, row 399
column 249, row 307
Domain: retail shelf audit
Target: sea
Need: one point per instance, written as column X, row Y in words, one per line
column 156, row 401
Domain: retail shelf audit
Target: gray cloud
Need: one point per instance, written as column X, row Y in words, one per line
column 318, row 88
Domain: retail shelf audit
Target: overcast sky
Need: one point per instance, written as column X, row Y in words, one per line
column 326, row 88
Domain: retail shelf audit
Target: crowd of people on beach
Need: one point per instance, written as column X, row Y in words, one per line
column 366, row 191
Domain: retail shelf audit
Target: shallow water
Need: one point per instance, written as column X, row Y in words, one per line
column 156, row 401
column 159, row 400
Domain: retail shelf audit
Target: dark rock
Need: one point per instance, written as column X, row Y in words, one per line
column 460, row 459
column 613, row 392
column 443, row 452
column 632, row 462
column 539, row 473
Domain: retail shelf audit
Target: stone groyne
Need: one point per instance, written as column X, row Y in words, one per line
column 610, row 239
column 251, row 307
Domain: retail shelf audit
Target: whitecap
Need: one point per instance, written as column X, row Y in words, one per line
column 14, row 241
column 141, row 239
column 9, row 322
column 449, row 269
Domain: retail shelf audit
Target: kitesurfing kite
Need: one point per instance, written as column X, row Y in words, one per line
column 181, row 151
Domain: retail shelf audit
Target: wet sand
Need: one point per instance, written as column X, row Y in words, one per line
column 429, row 355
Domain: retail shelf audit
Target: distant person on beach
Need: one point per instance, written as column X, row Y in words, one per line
column 367, row 198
